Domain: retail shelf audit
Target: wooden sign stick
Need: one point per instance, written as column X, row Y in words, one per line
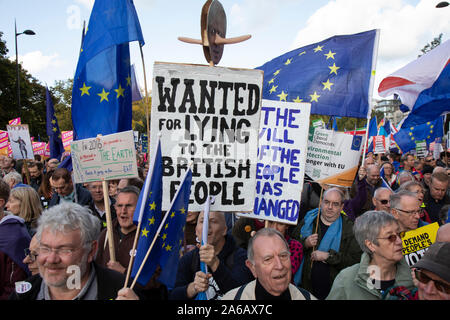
column 317, row 221
column 112, row 253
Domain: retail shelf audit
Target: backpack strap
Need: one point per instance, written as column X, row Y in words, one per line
column 239, row 292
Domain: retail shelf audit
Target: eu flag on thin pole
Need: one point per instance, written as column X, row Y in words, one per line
column 406, row 137
column 148, row 216
column 165, row 247
column 173, row 231
column 53, row 132
column 334, row 75
column 101, row 95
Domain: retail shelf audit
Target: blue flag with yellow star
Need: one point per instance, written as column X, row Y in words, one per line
column 406, row 137
column 334, row 75
column 172, row 232
column 148, row 211
column 101, row 95
column 53, row 132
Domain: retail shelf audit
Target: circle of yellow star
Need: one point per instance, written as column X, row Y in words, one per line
column 288, row 61
column 314, row 97
column 297, row 99
column 273, row 89
column 318, row 48
column 119, row 91
column 327, row 85
column 282, row 96
column 330, row 55
column 144, row 232
column 103, row 95
column 85, row 89
column 334, row 69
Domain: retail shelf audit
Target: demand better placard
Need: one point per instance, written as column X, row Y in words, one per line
column 416, row 242
column 208, row 116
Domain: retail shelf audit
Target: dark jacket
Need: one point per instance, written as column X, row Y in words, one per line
column 226, row 276
column 10, row 273
column 349, row 252
column 112, row 201
column 109, row 282
column 433, row 207
column 83, row 195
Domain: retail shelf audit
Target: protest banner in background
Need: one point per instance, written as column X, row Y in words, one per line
column 104, row 158
column 14, row 122
column 4, row 143
column 416, row 242
column 283, row 137
column 67, row 138
column 39, row 148
column 332, row 157
column 208, row 116
column 380, row 144
column 20, row 141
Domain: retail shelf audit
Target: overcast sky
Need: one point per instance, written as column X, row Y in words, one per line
column 276, row 28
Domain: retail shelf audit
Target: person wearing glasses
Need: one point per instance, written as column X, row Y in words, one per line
column 405, row 208
column 64, row 191
column 382, row 265
column 432, row 272
column 31, row 254
column 328, row 244
column 418, row 189
column 269, row 261
column 67, row 243
column 381, row 199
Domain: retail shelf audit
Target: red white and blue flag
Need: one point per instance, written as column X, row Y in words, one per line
column 423, row 86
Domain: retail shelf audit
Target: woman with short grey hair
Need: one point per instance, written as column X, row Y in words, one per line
column 382, row 265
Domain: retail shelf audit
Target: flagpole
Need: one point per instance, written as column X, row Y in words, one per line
column 159, row 230
column 317, row 221
column 141, row 211
column 146, row 98
column 371, row 85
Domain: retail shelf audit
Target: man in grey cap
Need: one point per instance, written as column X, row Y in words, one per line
column 433, row 273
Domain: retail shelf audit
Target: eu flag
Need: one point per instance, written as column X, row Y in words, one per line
column 53, row 132
column 406, row 137
column 334, row 75
column 172, row 232
column 150, row 204
column 101, row 95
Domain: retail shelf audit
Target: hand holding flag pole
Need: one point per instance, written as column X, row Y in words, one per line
column 203, row 266
column 141, row 209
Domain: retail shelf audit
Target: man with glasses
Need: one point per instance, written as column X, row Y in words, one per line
column 269, row 261
column 31, row 254
column 64, row 190
column 433, row 273
column 405, row 207
column 97, row 204
column 381, row 199
column 328, row 244
column 67, row 236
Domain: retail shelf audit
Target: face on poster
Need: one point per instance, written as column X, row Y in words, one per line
column 20, row 141
column 208, row 117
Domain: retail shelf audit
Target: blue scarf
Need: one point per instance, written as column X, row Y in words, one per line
column 330, row 240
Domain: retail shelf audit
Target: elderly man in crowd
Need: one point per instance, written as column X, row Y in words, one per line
column 269, row 261
column 381, row 199
column 405, row 207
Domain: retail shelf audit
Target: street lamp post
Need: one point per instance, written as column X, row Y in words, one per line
column 30, row 33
